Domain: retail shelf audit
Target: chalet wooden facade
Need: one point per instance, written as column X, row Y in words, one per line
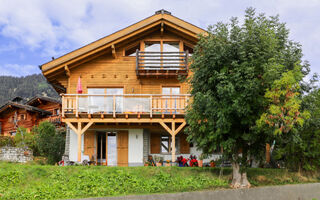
column 132, row 103
column 18, row 113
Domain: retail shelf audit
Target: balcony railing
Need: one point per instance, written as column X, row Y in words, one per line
column 55, row 119
column 76, row 104
column 161, row 63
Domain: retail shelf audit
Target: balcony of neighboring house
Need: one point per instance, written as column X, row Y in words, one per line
column 124, row 107
column 162, row 59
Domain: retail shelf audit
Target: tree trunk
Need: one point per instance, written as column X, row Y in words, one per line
column 239, row 180
column 236, row 176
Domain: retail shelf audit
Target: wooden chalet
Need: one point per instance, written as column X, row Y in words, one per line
column 19, row 113
column 132, row 103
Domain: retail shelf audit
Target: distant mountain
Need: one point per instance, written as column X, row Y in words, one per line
column 26, row 87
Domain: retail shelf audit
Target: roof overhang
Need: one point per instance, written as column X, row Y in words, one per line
column 104, row 43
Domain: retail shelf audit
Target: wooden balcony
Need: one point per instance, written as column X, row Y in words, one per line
column 123, row 108
column 55, row 119
column 161, row 64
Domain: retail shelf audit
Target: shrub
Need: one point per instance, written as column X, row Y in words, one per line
column 25, row 139
column 6, row 141
column 50, row 142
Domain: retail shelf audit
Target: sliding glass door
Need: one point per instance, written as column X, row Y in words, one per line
column 102, row 102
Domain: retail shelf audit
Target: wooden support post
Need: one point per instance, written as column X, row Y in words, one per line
column 79, row 141
column 267, row 153
column 173, row 151
column 114, row 55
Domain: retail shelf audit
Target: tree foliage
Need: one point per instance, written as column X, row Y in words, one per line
column 283, row 114
column 26, row 87
column 300, row 150
column 51, row 142
column 234, row 66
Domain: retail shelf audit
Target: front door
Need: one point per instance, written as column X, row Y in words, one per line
column 122, row 148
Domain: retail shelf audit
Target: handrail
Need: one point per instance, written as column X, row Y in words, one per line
column 110, row 95
column 150, row 104
column 149, row 60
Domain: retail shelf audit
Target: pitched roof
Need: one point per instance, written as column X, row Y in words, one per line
column 160, row 17
column 11, row 104
column 42, row 98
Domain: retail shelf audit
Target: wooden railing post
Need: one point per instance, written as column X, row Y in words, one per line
column 114, row 106
column 63, row 105
column 187, row 54
column 151, row 106
column 137, row 61
column 77, row 105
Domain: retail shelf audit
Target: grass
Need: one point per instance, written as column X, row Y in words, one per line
column 19, row 181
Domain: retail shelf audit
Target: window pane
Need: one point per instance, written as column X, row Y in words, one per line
column 165, row 90
column 170, row 46
column 152, row 46
column 164, row 144
column 173, row 62
column 119, row 99
column 96, row 103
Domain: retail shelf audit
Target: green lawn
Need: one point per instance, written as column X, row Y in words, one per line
column 18, row 181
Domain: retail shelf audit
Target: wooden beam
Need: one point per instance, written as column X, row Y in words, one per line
column 161, row 29
column 86, row 127
column 166, row 127
column 66, row 68
column 179, row 128
column 114, row 55
column 72, row 127
column 79, row 141
column 122, row 120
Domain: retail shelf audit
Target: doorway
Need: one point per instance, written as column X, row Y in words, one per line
column 101, row 147
column 112, row 149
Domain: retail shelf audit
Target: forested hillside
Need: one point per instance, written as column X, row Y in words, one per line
column 27, row 87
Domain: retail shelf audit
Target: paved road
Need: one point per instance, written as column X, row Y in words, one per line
column 287, row 192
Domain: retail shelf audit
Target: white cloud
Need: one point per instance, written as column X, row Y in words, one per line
column 18, row 70
column 55, row 27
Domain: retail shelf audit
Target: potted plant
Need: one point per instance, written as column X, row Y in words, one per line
column 193, row 161
column 182, row 162
column 200, row 161
column 158, row 160
column 151, row 161
column 167, row 163
column 212, row 163
column 146, row 163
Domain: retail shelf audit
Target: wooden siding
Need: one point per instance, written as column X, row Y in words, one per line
column 107, row 71
column 8, row 124
column 32, row 118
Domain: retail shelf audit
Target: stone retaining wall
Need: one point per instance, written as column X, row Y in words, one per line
column 15, row 154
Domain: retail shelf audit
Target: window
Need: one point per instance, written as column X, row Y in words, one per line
column 22, row 116
column 152, row 46
column 171, row 103
column 166, row 144
column 105, row 103
column 131, row 51
column 189, row 49
column 56, row 111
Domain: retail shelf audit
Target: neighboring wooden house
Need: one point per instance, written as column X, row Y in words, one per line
column 18, row 113
column 133, row 103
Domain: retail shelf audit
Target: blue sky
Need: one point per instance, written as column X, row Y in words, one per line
column 33, row 31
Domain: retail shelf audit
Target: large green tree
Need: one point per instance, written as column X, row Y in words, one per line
column 233, row 67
